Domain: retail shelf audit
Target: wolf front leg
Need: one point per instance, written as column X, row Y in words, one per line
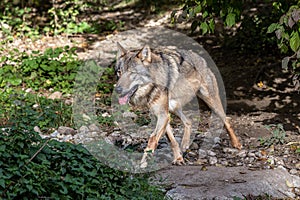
column 178, row 159
column 160, row 109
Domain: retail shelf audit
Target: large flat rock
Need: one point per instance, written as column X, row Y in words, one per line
column 190, row 182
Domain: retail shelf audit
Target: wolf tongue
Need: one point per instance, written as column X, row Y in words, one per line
column 123, row 100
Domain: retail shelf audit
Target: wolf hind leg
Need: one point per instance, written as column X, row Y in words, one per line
column 185, row 142
column 214, row 103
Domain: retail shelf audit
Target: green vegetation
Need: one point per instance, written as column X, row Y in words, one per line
column 33, row 168
column 250, row 24
column 54, row 68
column 277, row 135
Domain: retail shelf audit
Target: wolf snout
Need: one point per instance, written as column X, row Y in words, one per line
column 118, row 89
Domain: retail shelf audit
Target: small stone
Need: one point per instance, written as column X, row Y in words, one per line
column 271, row 160
column 106, row 114
column 298, row 165
column 224, row 162
column 251, row 154
column 37, row 129
column 83, row 129
column 194, row 146
column 202, row 153
column 201, row 161
column 55, row 95
column 258, row 154
column 293, row 171
column 242, row 153
column 68, row 101
column 94, row 127
column 92, row 134
column 54, row 134
column 217, row 140
column 35, row 105
column 67, row 138
column 251, row 159
column 191, row 153
column 213, row 160
column 286, row 152
column 211, row 153
column 28, row 90
column 128, row 114
column 230, row 150
column 66, row 130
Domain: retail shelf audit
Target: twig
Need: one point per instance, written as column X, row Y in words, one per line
column 38, row 151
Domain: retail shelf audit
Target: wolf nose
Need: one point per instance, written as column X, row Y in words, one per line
column 118, row 89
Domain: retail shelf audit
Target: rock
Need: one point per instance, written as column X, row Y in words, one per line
column 54, row 134
column 230, row 150
column 212, row 160
column 202, row 153
column 37, row 129
column 94, row 128
column 251, row 154
column 217, row 140
column 67, row 138
column 192, row 154
column 194, row 146
column 211, row 153
column 128, row 114
column 224, row 162
column 293, row 171
column 66, row 130
column 55, row 95
column 242, row 153
column 83, row 129
column 190, row 182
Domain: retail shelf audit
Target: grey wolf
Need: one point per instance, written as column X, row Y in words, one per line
column 165, row 80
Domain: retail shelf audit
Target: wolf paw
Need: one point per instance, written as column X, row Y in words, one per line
column 237, row 145
column 178, row 161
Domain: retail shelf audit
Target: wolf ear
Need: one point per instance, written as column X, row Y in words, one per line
column 145, row 54
column 121, row 50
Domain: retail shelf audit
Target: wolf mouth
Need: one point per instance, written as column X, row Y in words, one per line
column 124, row 98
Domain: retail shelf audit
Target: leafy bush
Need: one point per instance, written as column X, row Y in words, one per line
column 252, row 21
column 55, row 68
column 34, row 168
column 34, row 110
column 277, row 137
column 204, row 13
column 287, row 32
column 30, row 18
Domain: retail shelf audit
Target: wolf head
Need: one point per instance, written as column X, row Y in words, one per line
column 132, row 70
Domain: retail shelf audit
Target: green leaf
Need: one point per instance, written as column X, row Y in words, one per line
column 2, row 183
column 212, row 25
column 15, row 81
column 230, row 19
column 204, row 27
column 205, row 14
column 295, row 41
column 272, row 27
column 198, row 9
